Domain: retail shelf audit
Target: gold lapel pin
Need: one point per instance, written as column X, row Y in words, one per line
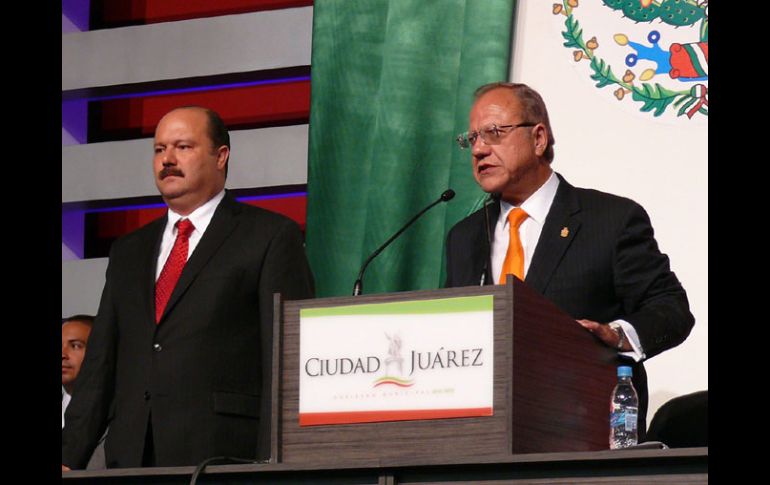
column 564, row 231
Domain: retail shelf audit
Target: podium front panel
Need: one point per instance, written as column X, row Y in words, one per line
column 395, row 442
column 551, row 387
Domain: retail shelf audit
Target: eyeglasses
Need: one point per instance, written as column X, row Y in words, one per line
column 491, row 134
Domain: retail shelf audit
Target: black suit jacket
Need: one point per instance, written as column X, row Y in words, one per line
column 201, row 376
column 608, row 267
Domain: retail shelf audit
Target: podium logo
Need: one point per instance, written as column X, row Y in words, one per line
column 424, row 361
column 395, row 360
column 395, row 371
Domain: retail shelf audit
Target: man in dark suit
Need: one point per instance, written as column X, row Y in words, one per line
column 593, row 254
column 180, row 353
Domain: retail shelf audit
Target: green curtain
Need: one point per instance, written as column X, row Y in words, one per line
column 392, row 83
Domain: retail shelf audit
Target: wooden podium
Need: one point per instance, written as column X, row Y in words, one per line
column 552, row 384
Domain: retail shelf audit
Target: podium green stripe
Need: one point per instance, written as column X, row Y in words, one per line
column 421, row 307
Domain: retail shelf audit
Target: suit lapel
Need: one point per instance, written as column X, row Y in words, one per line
column 221, row 226
column 561, row 226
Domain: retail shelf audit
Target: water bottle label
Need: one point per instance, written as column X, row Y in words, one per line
column 627, row 419
column 630, row 420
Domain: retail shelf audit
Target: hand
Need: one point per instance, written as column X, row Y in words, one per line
column 65, row 468
column 604, row 333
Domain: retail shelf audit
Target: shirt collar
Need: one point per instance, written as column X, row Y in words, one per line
column 200, row 217
column 538, row 204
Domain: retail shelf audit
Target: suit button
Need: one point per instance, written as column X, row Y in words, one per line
column 157, row 347
column 146, row 395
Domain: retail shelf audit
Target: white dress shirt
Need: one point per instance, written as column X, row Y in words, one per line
column 200, row 217
column 537, row 207
column 65, row 401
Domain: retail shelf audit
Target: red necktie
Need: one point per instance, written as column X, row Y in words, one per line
column 514, row 258
column 173, row 267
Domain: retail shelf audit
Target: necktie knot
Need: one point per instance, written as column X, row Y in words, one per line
column 517, row 216
column 184, row 228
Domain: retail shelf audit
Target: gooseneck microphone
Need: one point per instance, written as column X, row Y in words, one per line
column 358, row 286
column 493, row 197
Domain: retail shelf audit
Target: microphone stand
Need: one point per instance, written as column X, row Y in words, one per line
column 493, row 197
column 358, row 286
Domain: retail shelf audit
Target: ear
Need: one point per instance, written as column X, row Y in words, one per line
column 540, row 138
column 223, row 153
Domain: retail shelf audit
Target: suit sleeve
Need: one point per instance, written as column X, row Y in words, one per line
column 86, row 416
column 653, row 299
column 285, row 270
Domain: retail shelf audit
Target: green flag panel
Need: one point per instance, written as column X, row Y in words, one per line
column 392, row 84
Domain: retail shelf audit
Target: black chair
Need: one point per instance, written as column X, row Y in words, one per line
column 682, row 422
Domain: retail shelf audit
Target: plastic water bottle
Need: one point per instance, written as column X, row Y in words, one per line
column 624, row 411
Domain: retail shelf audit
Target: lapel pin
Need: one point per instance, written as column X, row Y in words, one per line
column 564, row 231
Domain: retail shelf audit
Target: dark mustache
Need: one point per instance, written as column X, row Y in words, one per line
column 170, row 171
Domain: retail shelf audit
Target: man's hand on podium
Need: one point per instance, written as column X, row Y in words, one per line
column 606, row 334
column 65, row 468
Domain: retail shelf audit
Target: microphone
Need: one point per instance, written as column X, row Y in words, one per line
column 493, row 197
column 358, row 286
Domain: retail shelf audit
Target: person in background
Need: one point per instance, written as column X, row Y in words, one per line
column 74, row 341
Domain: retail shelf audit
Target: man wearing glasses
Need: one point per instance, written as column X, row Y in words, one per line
column 593, row 254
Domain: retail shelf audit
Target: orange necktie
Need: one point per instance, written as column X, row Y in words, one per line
column 514, row 258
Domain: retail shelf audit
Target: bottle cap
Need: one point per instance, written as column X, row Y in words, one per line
column 625, row 371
